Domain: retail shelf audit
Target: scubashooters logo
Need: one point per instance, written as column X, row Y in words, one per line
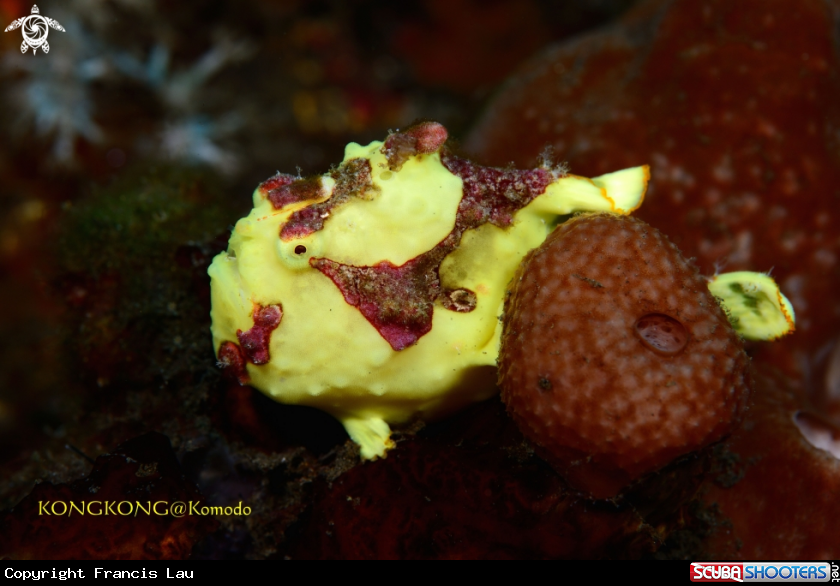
column 35, row 29
column 710, row 572
column 762, row 572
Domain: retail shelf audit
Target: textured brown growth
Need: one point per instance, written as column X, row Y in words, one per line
column 352, row 179
column 255, row 341
column 421, row 138
column 616, row 380
column 399, row 301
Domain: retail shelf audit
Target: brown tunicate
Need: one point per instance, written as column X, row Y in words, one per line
column 615, row 357
column 736, row 107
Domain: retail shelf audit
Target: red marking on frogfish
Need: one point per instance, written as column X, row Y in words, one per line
column 352, row 179
column 296, row 192
column 494, row 195
column 419, row 139
column 430, row 136
column 275, row 182
column 232, row 363
column 255, row 341
column 399, row 300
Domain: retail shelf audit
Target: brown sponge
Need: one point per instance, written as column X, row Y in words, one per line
column 615, row 357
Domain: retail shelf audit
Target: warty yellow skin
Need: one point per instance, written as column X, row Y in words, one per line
column 325, row 354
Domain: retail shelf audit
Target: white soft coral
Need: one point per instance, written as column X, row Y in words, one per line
column 187, row 135
column 55, row 94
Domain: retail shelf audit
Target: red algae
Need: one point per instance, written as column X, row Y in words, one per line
column 615, row 357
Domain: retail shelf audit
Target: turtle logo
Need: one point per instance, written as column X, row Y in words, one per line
column 35, row 31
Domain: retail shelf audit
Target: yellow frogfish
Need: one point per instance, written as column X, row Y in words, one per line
column 374, row 291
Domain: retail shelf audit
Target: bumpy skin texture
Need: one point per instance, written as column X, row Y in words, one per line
column 615, row 357
column 372, row 292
